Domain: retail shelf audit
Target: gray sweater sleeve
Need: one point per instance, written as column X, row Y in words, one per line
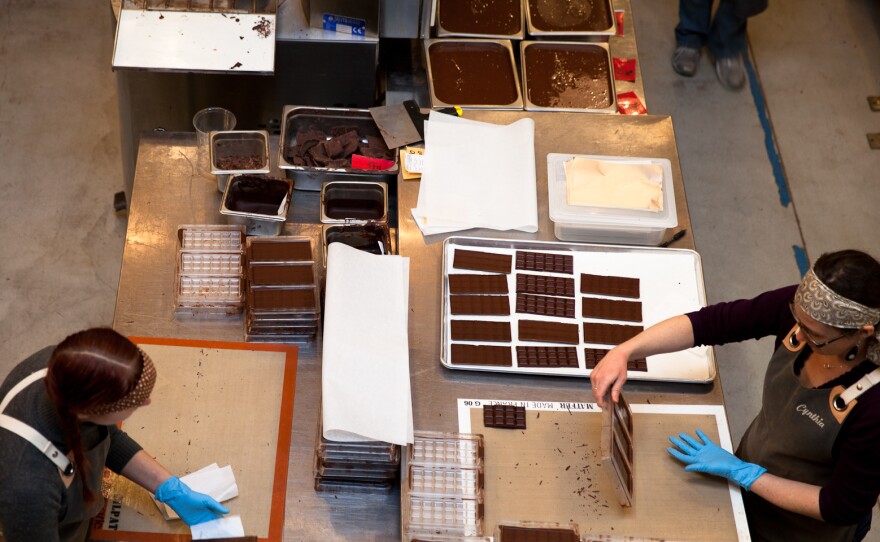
column 122, row 449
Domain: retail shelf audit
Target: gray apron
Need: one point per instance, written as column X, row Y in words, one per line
column 792, row 437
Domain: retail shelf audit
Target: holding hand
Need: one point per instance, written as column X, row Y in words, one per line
column 192, row 507
column 707, row 457
column 608, row 377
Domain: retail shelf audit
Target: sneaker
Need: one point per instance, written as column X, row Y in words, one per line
column 731, row 72
column 685, row 60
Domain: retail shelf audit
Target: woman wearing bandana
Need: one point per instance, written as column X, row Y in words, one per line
column 59, row 411
column 808, row 462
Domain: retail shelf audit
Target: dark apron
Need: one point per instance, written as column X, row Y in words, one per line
column 73, row 525
column 792, row 437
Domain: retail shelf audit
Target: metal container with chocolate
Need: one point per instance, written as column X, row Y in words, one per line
column 563, row 18
column 567, row 76
column 238, row 152
column 473, row 73
column 356, row 214
column 261, row 203
column 501, row 19
column 317, row 145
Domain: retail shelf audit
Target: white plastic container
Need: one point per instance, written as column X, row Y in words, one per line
column 608, row 224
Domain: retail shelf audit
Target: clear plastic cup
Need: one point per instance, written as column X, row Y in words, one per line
column 210, row 119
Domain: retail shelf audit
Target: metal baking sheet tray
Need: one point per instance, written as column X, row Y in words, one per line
column 671, row 284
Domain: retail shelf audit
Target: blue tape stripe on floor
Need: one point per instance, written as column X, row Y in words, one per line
column 800, row 256
column 769, row 141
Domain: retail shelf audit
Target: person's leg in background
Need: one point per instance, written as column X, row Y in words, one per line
column 691, row 34
column 727, row 43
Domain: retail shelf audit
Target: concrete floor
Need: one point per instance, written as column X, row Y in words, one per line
column 816, row 61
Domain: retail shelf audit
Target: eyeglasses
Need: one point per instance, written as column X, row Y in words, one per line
column 809, row 336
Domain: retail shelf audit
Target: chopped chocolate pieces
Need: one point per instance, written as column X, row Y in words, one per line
column 504, row 416
column 546, row 356
column 609, row 333
column 474, row 354
column 337, row 131
column 611, row 309
column 609, row 285
column 309, row 136
column 481, row 261
column 516, row 533
column 562, row 307
column 546, row 285
column 480, row 304
column 314, row 148
column 592, row 357
column 548, row 332
column 475, row 330
column 240, row 163
column 461, row 283
column 546, row 263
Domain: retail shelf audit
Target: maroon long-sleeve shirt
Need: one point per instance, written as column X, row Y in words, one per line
column 855, row 483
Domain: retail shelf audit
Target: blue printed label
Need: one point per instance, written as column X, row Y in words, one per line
column 346, row 25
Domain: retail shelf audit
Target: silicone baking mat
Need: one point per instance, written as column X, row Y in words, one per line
column 214, row 402
column 671, row 283
column 552, row 472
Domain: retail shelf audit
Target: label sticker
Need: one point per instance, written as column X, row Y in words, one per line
column 345, row 25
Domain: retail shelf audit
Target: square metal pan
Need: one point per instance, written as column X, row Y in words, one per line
column 446, row 33
column 251, row 138
column 529, row 106
column 436, row 103
column 603, row 34
column 354, row 186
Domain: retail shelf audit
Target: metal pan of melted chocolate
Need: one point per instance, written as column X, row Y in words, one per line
column 473, row 73
column 567, row 77
column 569, row 17
column 484, row 19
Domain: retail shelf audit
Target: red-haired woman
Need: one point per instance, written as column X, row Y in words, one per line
column 59, row 411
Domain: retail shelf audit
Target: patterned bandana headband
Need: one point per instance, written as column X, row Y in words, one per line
column 830, row 308
column 137, row 396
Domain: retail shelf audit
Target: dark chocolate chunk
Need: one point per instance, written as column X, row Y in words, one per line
column 461, row 283
column 592, row 357
column 611, row 309
column 480, row 304
column 481, row 261
column 546, row 263
column 516, row 533
column 610, row 285
column 476, row 330
column 474, row 72
column 310, row 135
column 546, row 356
column 544, row 284
column 570, row 15
column 504, row 416
column 568, row 75
column 479, row 354
column 549, row 332
column 337, row 131
column 562, row 307
column 609, row 333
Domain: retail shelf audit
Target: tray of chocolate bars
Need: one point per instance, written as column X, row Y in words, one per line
column 552, row 308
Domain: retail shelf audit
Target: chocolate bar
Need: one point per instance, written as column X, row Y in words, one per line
column 480, row 304
column 544, row 262
column 611, row 309
column 543, row 284
column 268, row 251
column 549, row 332
column 592, row 357
column 481, row 261
column 504, row 416
column 516, row 533
column 609, row 333
column 475, row 330
column 561, row 307
column 610, row 285
column 546, row 356
column 473, row 354
column 461, row 283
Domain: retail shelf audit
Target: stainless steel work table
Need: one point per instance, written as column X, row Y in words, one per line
column 166, row 194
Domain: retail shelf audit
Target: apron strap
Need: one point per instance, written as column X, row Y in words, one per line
column 30, row 434
column 853, row 392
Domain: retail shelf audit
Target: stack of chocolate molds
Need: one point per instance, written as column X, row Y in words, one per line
column 282, row 293
column 444, row 492
column 209, row 280
column 617, row 449
column 536, row 531
column 355, row 467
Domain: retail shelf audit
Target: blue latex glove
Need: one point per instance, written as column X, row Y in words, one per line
column 707, row 457
column 192, row 507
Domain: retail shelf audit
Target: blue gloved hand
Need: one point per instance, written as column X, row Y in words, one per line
column 707, row 457
column 192, row 507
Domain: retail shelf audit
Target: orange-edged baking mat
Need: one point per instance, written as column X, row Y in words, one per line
column 214, row 402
